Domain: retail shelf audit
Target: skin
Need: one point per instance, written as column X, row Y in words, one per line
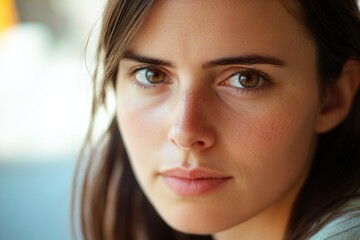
column 262, row 138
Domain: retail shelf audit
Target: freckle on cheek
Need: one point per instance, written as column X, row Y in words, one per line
column 269, row 130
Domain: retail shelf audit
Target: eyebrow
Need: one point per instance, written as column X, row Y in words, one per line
column 251, row 59
column 143, row 59
column 246, row 60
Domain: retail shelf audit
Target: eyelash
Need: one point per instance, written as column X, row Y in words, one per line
column 267, row 81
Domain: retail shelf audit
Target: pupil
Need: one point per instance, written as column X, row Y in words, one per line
column 249, row 81
column 154, row 76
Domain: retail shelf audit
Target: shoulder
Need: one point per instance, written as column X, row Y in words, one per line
column 344, row 227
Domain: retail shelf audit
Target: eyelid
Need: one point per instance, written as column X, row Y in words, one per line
column 135, row 69
column 265, row 76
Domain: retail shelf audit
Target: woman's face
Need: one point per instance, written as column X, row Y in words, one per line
column 217, row 107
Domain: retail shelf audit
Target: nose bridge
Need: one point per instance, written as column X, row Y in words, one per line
column 190, row 127
column 189, row 111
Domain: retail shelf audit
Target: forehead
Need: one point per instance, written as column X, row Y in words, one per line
column 192, row 29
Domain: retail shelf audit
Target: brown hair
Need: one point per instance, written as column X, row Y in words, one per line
column 112, row 204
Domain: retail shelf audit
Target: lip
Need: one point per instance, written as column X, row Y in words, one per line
column 193, row 182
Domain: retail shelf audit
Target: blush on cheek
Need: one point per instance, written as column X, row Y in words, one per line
column 275, row 151
column 289, row 121
column 274, row 128
column 274, row 138
column 265, row 130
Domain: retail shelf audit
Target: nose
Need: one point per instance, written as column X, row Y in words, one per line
column 191, row 128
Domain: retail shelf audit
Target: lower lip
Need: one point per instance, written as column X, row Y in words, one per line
column 193, row 187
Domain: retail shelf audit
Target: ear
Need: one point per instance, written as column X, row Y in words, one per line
column 339, row 97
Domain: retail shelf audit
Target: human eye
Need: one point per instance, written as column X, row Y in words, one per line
column 247, row 81
column 148, row 76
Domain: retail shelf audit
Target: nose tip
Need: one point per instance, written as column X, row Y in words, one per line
column 191, row 134
column 187, row 143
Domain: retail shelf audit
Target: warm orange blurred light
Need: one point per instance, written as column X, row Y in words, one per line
column 8, row 14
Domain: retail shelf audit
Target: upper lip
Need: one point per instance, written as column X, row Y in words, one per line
column 193, row 173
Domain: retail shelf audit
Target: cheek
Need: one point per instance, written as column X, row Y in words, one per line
column 269, row 128
column 273, row 145
column 137, row 127
column 282, row 123
column 141, row 123
column 142, row 132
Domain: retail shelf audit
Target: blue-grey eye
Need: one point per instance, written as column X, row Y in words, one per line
column 246, row 79
column 148, row 76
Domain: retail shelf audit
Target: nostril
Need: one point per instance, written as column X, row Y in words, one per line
column 173, row 141
column 200, row 143
column 196, row 145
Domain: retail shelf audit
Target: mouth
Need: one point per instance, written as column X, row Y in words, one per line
column 193, row 182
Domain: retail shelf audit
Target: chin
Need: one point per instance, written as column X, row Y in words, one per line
column 196, row 222
column 201, row 229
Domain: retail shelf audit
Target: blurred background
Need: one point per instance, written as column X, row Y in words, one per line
column 44, row 111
